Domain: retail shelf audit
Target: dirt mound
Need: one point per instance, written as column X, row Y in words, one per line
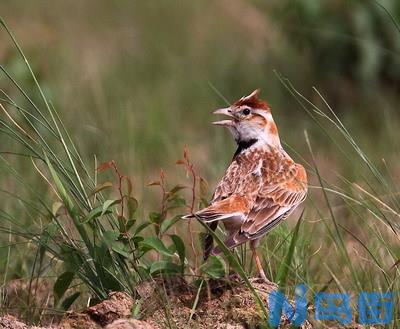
column 219, row 304
column 172, row 302
column 10, row 322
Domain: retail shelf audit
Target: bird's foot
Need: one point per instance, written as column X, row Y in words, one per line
column 262, row 279
column 259, row 279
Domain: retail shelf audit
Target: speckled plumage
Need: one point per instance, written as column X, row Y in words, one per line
column 262, row 185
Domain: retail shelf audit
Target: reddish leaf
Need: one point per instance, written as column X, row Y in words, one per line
column 396, row 264
column 105, row 165
column 180, row 162
column 154, row 183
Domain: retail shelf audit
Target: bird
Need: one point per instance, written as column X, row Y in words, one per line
column 262, row 185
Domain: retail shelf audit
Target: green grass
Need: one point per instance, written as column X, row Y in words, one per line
column 118, row 88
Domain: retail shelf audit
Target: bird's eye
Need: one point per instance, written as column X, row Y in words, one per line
column 246, row 111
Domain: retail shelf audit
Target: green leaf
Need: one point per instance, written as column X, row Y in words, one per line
column 155, row 217
column 107, row 204
column 112, row 240
column 130, row 223
column 164, row 267
column 60, row 187
column 119, row 248
column 176, row 202
column 141, row 227
column 166, row 224
column 179, row 247
column 176, row 189
column 121, row 224
column 110, row 237
column 154, row 243
column 102, row 187
column 214, row 267
column 129, row 185
column 135, row 312
column 62, row 284
column 132, row 206
column 68, row 301
column 94, row 213
column 136, row 240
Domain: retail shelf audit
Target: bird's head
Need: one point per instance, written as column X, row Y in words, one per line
column 250, row 120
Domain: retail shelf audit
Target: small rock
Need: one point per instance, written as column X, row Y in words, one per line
column 117, row 306
column 234, row 326
column 9, row 322
column 145, row 289
column 74, row 320
column 129, row 324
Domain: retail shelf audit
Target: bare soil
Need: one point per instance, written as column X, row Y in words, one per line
column 172, row 303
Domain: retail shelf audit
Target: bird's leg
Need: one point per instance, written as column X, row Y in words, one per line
column 253, row 246
column 259, row 265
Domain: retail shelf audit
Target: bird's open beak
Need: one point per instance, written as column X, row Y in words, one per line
column 225, row 111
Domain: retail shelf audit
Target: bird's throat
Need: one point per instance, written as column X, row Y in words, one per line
column 243, row 145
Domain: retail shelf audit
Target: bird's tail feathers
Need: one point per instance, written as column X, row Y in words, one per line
column 208, row 217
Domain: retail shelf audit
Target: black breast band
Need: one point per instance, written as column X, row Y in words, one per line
column 242, row 145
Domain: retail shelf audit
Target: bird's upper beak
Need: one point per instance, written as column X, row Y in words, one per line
column 225, row 111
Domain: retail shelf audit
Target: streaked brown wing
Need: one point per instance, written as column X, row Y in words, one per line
column 279, row 195
column 239, row 178
column 233, row 206
column 235, row 194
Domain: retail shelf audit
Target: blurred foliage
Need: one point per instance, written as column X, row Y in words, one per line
column 357, row 41
column 136, row 75
column 134, row 81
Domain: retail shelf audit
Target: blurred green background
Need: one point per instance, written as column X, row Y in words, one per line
column 134, row 81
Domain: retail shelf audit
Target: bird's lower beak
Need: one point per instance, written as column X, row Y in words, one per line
column 225, row 111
